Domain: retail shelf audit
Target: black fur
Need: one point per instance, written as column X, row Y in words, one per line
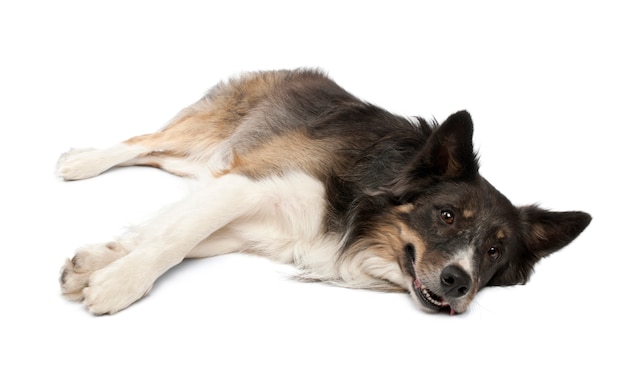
column 387, row 160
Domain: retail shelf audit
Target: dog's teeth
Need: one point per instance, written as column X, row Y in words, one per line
column 426, row 293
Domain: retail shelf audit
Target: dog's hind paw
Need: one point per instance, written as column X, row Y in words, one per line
column 79, row 163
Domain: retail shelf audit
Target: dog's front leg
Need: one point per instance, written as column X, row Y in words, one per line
column 164, row 241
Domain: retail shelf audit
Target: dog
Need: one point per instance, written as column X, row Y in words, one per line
column 288, row 165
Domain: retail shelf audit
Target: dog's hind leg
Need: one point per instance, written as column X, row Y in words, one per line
column 156, row 150
column 182, row 148
column 83, row 163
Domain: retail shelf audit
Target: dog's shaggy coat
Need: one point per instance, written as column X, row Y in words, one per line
column 290, row 166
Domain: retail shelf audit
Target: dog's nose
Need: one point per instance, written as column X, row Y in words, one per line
column 455, row 281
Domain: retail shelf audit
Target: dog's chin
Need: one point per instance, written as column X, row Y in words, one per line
column 429, row 300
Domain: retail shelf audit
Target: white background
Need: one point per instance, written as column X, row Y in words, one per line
column 545, row 83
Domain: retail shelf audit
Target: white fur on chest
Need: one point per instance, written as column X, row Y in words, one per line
column 284, row 220
column 285, row 224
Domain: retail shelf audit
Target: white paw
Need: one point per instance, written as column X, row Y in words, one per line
column 116, row 287
column 80, row 163
column 76, row 272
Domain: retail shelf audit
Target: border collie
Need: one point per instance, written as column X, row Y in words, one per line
column 290, row 166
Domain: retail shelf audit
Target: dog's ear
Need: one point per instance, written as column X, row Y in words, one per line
column 447, row 154
column 542, row 233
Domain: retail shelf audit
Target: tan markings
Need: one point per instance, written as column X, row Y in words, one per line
column 281, row 154
column 468, row 213
column 234, row 166
column 408, row 235
column 197, row 131
column 385, row 242
column 500, row 234
column 212, row 119
column 231, row 120
column 187, row 137
column 405, row 208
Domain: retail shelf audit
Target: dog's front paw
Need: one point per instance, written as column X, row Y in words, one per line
column 79, row 163
column 76, row 272
column 116, row 287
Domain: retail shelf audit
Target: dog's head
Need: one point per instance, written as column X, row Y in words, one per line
column 460, row 233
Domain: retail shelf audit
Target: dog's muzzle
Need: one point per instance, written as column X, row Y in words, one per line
column 454, row 283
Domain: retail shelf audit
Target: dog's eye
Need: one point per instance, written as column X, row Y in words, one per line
column 494, row 252
column 447, row 216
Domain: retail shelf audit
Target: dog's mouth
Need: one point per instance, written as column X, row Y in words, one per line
column 430, row 300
